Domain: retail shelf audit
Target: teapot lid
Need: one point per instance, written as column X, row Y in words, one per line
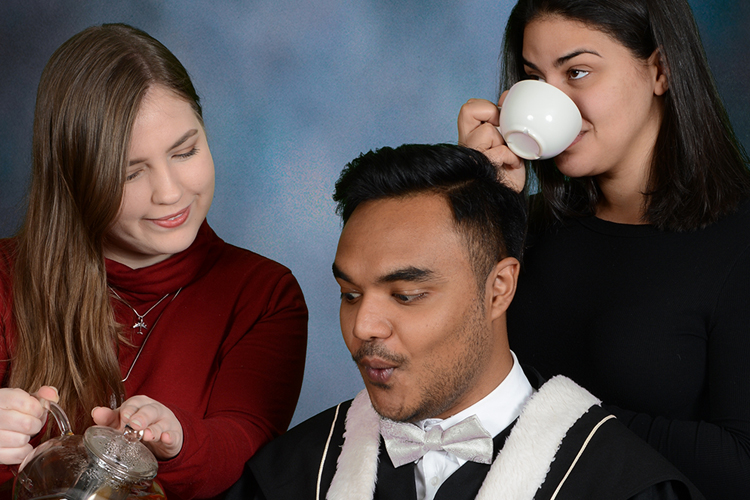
column 122, row 452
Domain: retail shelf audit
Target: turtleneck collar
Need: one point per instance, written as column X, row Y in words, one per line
column 153, row 282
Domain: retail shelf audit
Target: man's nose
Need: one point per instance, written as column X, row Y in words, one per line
column 370, row 321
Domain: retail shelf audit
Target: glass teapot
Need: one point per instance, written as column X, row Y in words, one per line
column 103, row 464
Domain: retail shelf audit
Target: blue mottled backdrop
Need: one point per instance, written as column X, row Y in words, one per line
column 292, row 90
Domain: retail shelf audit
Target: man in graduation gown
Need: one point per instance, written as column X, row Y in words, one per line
column 427, row 263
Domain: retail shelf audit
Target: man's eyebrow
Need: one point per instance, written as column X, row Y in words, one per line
column 410, row 273
column 407, row 274
column 190, row 133
column 338, row 273
column 563, row 59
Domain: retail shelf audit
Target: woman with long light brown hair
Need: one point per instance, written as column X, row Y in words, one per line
column 117, row 297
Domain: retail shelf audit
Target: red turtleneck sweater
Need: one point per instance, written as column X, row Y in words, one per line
column 226, row 355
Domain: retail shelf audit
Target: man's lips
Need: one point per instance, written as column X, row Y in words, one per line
column 378, row 371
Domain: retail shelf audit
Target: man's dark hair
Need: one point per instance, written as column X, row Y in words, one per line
column 489, row 215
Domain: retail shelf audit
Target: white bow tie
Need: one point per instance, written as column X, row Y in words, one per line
column 407, row 442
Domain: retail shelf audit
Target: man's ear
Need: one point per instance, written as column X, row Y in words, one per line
column 502, row 284
column 658, row 67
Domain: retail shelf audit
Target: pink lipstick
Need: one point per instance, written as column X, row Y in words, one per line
column 174, row 220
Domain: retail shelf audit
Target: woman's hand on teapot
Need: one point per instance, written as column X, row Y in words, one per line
column 162, row 432
column 22, row 415
column 477, row 129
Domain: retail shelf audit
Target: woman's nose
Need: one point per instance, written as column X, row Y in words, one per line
column 166, row 186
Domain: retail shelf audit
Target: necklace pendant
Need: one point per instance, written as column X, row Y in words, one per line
column 140, row 325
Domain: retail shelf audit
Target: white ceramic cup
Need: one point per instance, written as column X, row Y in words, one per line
column 538, row 121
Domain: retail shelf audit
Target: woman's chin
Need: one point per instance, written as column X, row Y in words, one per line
column 570, row 165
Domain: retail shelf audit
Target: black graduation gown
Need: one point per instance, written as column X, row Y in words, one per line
column 614, row 464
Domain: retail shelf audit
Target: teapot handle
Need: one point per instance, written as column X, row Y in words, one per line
column 61, row 418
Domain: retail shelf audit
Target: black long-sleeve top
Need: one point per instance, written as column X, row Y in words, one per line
column 657, row 325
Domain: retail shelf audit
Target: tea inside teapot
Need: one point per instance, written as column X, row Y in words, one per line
column 101, row 464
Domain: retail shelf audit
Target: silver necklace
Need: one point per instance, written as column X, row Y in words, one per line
column 138, row 355
column 140, row 324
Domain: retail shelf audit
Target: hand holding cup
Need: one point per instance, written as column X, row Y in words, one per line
column 477, row 129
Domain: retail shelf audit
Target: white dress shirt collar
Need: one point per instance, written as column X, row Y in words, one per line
column 496, row 411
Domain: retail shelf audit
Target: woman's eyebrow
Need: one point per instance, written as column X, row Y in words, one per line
column 190, row 133
column 563, row 59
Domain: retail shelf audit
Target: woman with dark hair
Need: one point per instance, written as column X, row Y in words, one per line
column 635, row 282
column 117, row 298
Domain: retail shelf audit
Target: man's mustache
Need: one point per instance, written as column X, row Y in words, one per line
column 377, row 350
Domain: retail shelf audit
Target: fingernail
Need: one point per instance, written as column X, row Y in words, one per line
column 135, row 423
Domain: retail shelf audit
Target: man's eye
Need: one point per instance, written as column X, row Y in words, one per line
column 349, row 296
column 407, row 299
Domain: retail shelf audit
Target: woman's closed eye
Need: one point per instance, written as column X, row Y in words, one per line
column 133, row 175
column 187, row 154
